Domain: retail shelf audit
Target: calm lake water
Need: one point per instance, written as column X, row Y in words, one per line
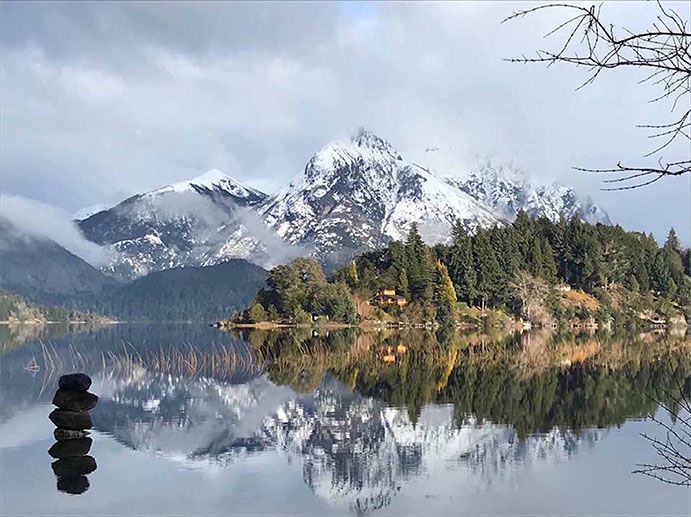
column 192, row 421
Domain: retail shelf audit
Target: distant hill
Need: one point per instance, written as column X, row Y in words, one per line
column 42, row 270
column 181, row 294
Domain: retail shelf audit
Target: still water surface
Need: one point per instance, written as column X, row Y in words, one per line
column 192, row 421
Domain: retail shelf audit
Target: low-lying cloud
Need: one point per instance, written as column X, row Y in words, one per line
column 38, row 219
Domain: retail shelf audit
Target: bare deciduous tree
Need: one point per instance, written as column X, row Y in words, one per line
column 663, row 51
column 532, row 293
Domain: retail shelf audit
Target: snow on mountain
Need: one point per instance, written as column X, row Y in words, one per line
column 88, row 211
column 359, row 194
column 506, row 190
column 214, row 181
column 203, row 221
column 352, row 196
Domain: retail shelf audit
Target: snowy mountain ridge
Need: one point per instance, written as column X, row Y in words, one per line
column 506, row 189
column 353, row 195
column 204, row 221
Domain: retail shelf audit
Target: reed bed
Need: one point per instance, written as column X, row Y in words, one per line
column 221, row 362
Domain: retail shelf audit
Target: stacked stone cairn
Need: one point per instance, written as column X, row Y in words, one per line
column 73, row 421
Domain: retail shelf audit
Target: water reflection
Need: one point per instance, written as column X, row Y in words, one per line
column 71, row 471
column 364, row 429
column 354, row 450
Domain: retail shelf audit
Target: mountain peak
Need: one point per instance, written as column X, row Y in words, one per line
column 364, row 137
column 214, row 180
column 212, row 177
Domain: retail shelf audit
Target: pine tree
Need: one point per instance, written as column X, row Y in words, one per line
column 535, row 258
column 396, row 255
column 549, row 266
column 661, row 277
column 523, row 228
column 509, row 251
column 444, row 292
column 634, row 286
column 418, row 266
column 562, row 250
column 672, row 243
column 461, row 265
column 641, row 274
column 488, row 270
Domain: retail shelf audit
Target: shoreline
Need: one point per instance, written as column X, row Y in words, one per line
column 267, row 325
column 71, row 322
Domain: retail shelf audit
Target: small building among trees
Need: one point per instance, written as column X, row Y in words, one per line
column 387, row 297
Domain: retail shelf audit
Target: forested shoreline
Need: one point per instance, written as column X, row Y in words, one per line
column 548, row 273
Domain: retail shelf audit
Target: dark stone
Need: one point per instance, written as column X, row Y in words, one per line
column 75, row 466
column 75, row 382
column 70, row 448
column 73, row 484
column 75, row 400
column 75, row 420
column 69, row 434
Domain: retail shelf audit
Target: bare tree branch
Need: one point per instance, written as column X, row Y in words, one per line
column 664, row 49
column 674, row 450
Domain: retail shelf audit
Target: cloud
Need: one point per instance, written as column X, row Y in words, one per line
column 41, row 220
column 105, row 99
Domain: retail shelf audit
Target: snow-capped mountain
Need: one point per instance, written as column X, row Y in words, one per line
column 506, row 190
column 359, row 194
column 352, row 196
column 199, row 222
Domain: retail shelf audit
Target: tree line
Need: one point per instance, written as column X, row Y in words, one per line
column 482, row 267
column 490, row 269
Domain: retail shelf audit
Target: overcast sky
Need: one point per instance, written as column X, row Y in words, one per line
column 102, row 100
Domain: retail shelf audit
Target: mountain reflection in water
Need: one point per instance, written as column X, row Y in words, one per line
column 363, row 428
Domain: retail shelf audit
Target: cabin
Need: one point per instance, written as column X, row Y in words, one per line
column 564, row 288
column 387, row 297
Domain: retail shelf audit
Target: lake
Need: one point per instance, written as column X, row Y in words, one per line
column 193, row 421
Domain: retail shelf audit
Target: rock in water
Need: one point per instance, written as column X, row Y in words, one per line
column 75, row 382
column 73, row 484
column 74, row 420
column 75, row 400
column 69, row 434
column 70, row 448
column 77, row 466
